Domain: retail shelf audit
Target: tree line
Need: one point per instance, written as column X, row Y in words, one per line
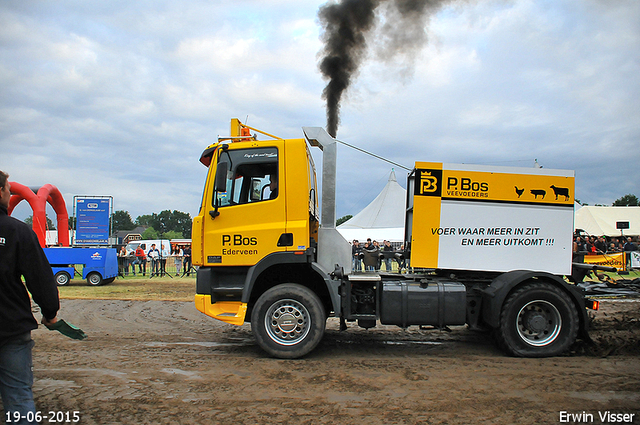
column 628, row 200
column 168, row 224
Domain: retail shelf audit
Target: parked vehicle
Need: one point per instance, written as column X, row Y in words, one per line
column 99, row 265
column 146, row 245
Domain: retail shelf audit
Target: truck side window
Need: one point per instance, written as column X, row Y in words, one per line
column 252, row 176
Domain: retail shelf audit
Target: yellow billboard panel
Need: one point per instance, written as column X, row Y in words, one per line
column 517, row 185
column 610, row 260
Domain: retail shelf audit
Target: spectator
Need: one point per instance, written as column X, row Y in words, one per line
column 367, row 245
column 371, row 254
column 356, row 250
column 376, row 245
column 579, row 245
column 177, row 258
column 186, row 262
column 601, row 245
column 154, row 255
column 164, row 254
column 589, row 245
column 141, row 260
column 122, row 262
column 628, row 248
column 405, row 263
column 388, row 250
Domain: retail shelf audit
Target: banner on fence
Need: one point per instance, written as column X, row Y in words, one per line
column 610, row 260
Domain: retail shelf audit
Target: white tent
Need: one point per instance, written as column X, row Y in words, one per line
column 599, row 221
column 382, row 219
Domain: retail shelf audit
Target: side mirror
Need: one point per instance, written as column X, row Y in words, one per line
column 221, row 177
column 256, row 190
column 220, row 186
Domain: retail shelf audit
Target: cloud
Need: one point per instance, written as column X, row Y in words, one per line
column 120, row 98
column 522, row 80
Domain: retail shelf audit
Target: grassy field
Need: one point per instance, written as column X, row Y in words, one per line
column 137, row 288
column 634, row 274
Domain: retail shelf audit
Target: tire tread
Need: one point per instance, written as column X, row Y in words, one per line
column 502, row 334
column 299, row 292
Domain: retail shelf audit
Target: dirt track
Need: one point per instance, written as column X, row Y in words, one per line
column 164, row 362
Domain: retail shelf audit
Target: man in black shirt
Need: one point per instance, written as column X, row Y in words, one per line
column 20, row 256
column 387, row 258
column 186, row 262
column 601, row 245
column 628, row 248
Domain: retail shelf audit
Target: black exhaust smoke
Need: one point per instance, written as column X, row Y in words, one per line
column 346, row 25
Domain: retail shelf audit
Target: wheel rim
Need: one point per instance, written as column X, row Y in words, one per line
column 62, row 279
column 287, row 322
column 94, row 279
column 539, row 323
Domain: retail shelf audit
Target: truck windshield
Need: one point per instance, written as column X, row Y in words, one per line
column 252, row 176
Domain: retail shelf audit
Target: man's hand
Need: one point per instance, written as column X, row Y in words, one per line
column 47, row 323
column 64, row 328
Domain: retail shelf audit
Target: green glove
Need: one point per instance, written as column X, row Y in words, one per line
column 67, row 329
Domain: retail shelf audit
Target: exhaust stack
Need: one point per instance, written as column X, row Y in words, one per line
column 333, row 249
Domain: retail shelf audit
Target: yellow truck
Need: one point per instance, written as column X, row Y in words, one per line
column 490, row 247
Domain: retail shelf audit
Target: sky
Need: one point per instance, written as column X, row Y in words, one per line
column 120, row 98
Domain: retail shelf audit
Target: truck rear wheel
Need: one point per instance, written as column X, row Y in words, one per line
column 288, row 321
column 537, row 320
column 62, row 278
column 94, row 279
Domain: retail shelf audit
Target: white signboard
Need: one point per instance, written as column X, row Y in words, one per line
column 505, row 237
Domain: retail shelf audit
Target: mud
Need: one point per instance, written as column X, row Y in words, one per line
column 163, row 362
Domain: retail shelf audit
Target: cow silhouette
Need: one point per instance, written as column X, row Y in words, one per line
column 536, row 192
column 519, row 191
column 561, row 191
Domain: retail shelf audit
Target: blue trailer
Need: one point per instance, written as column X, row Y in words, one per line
column 99, row 265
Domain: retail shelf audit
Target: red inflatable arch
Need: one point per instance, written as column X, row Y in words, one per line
column 38, row 202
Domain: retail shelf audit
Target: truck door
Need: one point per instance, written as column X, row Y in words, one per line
column 247, row 213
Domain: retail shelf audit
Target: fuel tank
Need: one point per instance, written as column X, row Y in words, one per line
column 411, row 303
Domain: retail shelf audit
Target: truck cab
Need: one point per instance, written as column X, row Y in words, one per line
column 258, row 222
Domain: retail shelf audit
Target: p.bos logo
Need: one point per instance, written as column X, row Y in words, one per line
column 428, row 182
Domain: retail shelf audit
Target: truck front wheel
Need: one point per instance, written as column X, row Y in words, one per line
column 288, row 321
column 62, row 278
column 537, row 320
